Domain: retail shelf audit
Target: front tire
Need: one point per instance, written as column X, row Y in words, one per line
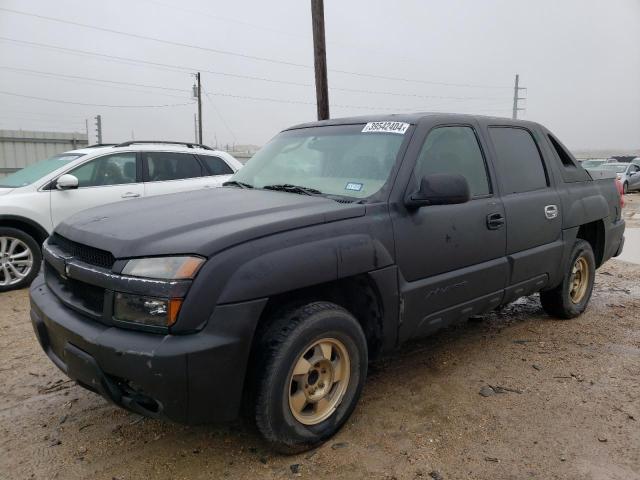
column 625, row 188
column 20, row 259
column 571, row 297
column 312, row 365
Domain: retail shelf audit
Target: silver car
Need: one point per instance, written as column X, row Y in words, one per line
column 627, row 173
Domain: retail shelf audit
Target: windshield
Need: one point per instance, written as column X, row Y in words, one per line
column 335, row 160
column 34, row 172
column 613, row 168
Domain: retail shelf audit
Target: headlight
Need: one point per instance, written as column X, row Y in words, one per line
column 150, row 311
column 164, row 268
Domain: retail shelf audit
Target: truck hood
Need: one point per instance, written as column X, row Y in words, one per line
column 201, row 222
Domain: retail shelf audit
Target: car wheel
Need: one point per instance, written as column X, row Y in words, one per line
column 312, row 367
column 20, row 259
column 570, row 298
column 625, row 188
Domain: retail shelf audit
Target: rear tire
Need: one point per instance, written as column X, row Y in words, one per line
column 571, row 297
column 20, row 259
column 311, row 368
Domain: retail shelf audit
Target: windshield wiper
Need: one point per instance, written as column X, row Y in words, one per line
column 236, row 183
column 287, row 187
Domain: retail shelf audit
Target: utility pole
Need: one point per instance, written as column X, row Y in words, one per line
column 516, row 97
column 197, row 93
column 320, row 58
column 99, row 128
column 195, row 127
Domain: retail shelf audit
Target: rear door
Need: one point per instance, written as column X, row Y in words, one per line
column 532, row 208
column 106, row 179
column 171, row 172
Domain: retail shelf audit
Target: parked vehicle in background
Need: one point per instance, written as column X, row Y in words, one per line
column 636, row 161
column 37, row 198
column 627, row 173
column 339, row 241
column 621, row 159
column 593, row 162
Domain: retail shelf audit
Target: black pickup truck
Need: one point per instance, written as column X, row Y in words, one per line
column 338, row 242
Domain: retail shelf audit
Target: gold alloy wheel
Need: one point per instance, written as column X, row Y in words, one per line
column 318, row 381
column 579, row 280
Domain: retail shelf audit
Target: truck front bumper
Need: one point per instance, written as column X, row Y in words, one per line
column 192, row 378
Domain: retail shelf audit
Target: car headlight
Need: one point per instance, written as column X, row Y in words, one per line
column 143, row 310
column 164, row 268
column 154, row 311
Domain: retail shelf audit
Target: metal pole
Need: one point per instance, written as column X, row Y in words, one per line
column 99, row 128
column 195, row 127
column 515, row 98
column 320, row 58
column 199, row 108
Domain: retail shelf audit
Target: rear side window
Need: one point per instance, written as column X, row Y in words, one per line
column 216, row 165
column 518, row 160
column 163, row 166
column 564, row 156
column 454, row 150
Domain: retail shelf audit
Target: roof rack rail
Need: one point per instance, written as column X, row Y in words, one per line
column 98, row 145
column 162, row 142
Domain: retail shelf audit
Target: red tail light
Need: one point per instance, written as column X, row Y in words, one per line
column 620, row 192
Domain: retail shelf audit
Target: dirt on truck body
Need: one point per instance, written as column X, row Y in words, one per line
column 565, row 405
column 337, row 243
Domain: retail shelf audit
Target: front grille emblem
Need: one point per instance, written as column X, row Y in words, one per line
column 67, row 270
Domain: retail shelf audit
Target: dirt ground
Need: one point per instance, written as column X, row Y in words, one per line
column 568, row 406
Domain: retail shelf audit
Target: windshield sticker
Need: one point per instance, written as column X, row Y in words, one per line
column 356, row 187
column 386, row 127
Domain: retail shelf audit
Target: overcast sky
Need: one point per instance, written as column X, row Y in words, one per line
column 579, row 59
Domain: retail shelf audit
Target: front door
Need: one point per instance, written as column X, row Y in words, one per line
column 107, row 179
column 451, row 257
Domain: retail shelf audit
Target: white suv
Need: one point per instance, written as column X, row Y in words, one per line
column 37, row 198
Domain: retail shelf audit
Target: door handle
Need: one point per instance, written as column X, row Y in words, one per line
column 130, row 195
column 551, row 211
column 495, row 221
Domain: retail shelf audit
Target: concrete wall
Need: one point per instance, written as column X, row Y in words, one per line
column 19, row 148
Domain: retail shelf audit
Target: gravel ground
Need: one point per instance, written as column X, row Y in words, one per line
column 562, row 401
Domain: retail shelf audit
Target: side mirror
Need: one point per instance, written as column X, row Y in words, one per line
column 67, row 182
column 440, row 189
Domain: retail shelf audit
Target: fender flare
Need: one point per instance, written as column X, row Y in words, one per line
column 305, row 265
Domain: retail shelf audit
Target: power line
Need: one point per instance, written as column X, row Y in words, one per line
column 154, row 39
column 101, row 82
column 178, row 68
column 91, row 104
column 337, row 105
column 224, row 122
column 237, row 54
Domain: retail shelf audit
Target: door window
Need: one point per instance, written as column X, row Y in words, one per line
column 116, row 169
column 454, row 150
column 162, row 166
column 518, row 160
column 216, row 165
